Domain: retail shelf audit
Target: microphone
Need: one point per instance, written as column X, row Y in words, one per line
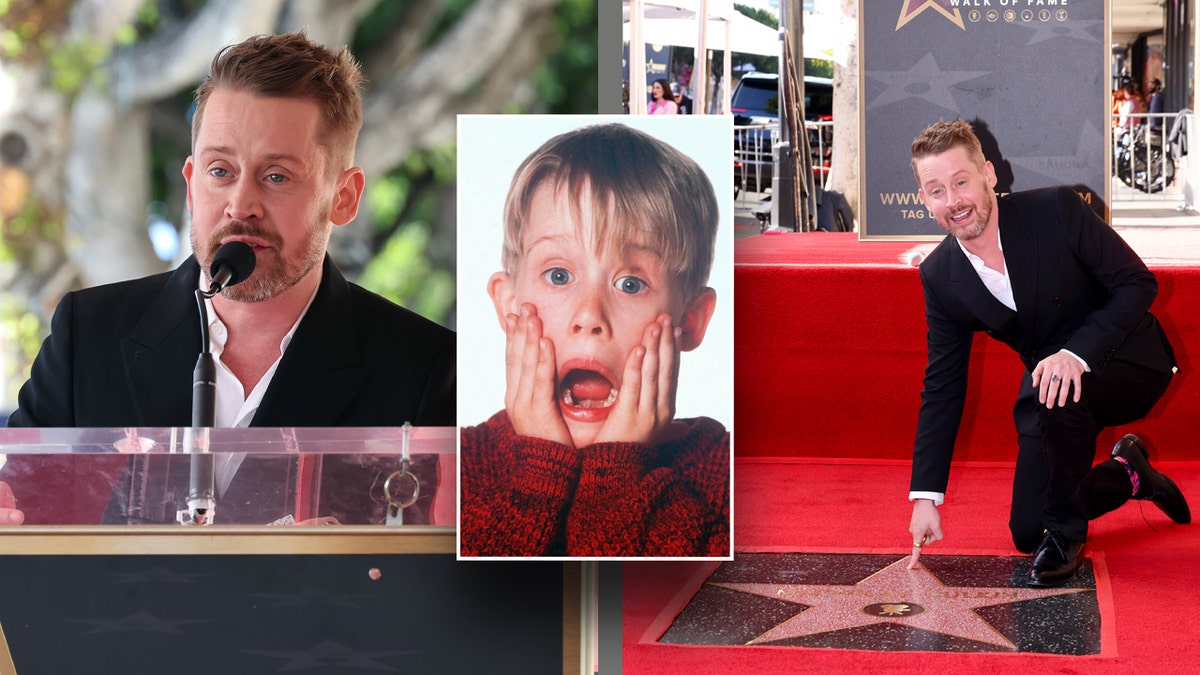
column 232, row 264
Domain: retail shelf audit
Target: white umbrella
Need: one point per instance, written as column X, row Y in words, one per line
column 675, row 22
column 745, row 35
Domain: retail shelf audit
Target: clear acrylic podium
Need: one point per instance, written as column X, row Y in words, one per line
column 272, row 490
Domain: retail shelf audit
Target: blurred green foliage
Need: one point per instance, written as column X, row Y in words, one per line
column 415, row 260
column 413, row 266
column 409, row 269
column 567, row 82
column 19, row 329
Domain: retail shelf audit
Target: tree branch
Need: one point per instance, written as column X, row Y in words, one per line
column 328, row 23
column 100, row 20
column 402, row 114
column 180, row 54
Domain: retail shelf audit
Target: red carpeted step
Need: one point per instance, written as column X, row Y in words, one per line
column 830, row 336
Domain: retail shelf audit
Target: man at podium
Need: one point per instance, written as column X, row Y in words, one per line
column 294, row 343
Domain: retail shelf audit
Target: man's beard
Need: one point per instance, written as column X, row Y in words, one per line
column 977, row 223
column 273, row 274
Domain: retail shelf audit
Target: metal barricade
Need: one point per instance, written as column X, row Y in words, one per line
column 1145, row 157
column 753, row 165
column 820, row 137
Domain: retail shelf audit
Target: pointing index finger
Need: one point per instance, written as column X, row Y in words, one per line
column 916, row 552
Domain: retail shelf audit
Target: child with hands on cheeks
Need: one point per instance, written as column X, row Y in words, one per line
column 609, row 237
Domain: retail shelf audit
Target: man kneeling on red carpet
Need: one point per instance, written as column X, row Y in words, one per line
column 1041, row 272
column 609, row 239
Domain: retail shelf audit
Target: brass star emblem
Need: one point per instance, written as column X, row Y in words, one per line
column 912, row 8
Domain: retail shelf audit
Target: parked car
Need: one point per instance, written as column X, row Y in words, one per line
column 755, row 102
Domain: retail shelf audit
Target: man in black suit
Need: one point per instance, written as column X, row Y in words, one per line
column 1041, row 272
column 273, row 140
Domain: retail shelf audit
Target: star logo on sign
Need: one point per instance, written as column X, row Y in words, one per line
column 1087, row 31
column 925, row 80
column 894, row 592
column 158, row 575
column 327, row 654
column 1080, row 168
column 306, row 597
column 911, row 8
column 138, row 622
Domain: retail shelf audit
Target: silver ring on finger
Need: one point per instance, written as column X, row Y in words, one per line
column 1054, row 378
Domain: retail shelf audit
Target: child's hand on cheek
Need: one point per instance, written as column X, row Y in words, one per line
column 645, row 404
column 529, row 365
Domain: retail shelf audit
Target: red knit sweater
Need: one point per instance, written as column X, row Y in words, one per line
column 524, row 496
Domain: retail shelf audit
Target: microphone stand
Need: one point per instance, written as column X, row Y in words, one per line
column 232, row 263
column 202, row 500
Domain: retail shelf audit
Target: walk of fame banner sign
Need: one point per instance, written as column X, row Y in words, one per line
column 1030, row 76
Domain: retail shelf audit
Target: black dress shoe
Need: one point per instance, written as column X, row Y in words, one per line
column 1155, row 486
column 1055, row 560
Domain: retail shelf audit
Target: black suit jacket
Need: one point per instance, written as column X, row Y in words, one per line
column 1077, row 286
column 122, row 355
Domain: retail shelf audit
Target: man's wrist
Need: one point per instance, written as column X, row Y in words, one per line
column 936, row 497
column 1078, row 358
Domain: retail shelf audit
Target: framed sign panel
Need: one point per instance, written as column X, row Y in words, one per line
column 1030, row 76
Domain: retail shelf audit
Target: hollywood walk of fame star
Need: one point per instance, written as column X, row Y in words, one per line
column 945, row 609
column 138, row 622
column 1082, row 168
column 1078, row 30
column 158, row 575
column 912, row 8
column 327, row 653
column 925, row 80
column 309, row 596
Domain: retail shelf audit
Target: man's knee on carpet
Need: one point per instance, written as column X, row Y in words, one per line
column 1026, row 541
column 1025, row 524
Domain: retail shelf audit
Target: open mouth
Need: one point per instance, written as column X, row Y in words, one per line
column 587, row 389
column 961, row 216
column 586, row 394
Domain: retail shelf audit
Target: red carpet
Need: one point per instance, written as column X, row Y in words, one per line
column 861, row 507
column 830, row 355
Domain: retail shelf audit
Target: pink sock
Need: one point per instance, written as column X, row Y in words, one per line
column 1133, row 477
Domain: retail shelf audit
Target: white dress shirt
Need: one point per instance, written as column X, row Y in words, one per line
column 234, row 408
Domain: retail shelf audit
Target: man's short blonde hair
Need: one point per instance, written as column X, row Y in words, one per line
column 942, row 136
column 291, row 66
column 643, row 192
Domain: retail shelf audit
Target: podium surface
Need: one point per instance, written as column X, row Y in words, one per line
column 275, row 490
